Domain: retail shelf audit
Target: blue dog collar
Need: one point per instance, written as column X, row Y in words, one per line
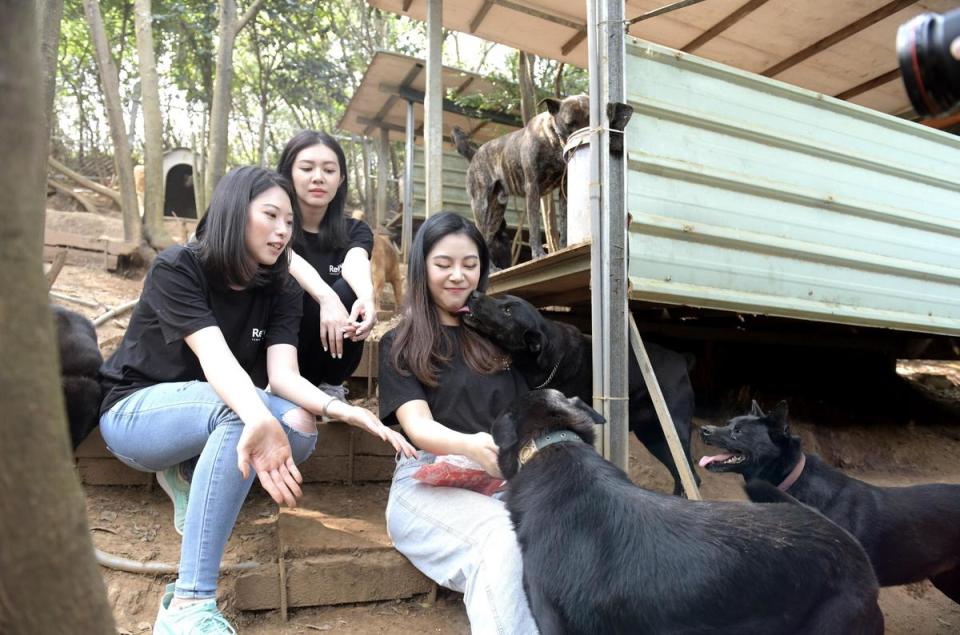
column 533, row 446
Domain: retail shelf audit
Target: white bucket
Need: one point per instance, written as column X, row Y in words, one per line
column 576, row 153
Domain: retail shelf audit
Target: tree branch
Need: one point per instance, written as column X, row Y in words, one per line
column 84, row 181
column 248, row 15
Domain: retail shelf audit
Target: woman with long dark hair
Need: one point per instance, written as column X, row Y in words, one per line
column 217, row 320
column 331, row 262
column 445, row 384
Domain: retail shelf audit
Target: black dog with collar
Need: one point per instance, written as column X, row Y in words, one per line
column 909, row 533
column 601, row 555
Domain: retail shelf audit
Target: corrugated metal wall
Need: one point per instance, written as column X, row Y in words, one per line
column 455, row 198
column 751, row 195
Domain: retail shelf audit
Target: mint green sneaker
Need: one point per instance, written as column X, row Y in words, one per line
column 198, row 618
column 178, row 489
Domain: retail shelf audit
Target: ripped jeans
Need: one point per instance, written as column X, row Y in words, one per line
column 463, row 541
column 166, row 424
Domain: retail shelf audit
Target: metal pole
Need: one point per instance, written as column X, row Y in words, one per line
column 600, row 366
column 433, row 108
column 406, row 225
column 614, row 230
column 383, row 177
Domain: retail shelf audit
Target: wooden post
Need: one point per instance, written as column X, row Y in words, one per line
column 433, row 108
column 406, row 225
column 660, row 405
column 383, row 176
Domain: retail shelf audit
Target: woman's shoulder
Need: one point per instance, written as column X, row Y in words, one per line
column 178, row 255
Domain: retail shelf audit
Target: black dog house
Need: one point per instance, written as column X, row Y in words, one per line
column 178, row 195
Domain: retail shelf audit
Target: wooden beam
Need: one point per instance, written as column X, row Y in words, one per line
column 667, row 9
column 481, row 14
column 465, row 85
column 838, row 36
column 372, row 123
column 541, row 15
column 723, row 25
column 411, row 75
column 411, row 94
column 406, row 5
column 880, row 80
column 572, row 43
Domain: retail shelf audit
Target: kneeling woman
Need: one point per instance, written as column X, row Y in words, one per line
column 217, row 320
column 445, row 385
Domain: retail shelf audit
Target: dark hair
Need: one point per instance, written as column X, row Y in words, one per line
column 421, row 345
column 221, row 233
column 333, row 227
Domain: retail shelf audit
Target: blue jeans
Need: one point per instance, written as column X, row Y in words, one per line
column 464, row 541
column 166, row 424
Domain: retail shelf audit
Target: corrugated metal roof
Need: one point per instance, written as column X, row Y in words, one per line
column 392, row 78
column 843, row 48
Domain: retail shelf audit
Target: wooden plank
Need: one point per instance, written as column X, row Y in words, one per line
column 723, row 25
column 76, row 241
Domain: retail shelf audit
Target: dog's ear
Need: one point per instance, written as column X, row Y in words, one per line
column 755, row 409
column 779, row 416
column 595, row 416
column 533, row 339
column 619, row 114
column 553, row 105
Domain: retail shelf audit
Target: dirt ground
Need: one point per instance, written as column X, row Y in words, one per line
column 135, row 522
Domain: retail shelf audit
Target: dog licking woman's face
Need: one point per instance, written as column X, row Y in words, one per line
column 453, row 272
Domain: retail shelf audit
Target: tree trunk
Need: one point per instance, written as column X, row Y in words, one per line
column 528, row 110
column 109, row 80
column 156, row 234
column 230, row 26
column 49, row 15
column 49, row 581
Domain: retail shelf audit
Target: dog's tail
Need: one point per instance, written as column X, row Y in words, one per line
column 464, row 147
column 760, row 491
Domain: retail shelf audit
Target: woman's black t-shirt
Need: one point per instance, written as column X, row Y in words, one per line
column 329, row 264
column 179, row 300
column 464, row 401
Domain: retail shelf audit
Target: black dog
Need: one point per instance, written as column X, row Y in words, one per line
column 601, row 555
column 80, row 362
column 556, row 355
column 909, row 533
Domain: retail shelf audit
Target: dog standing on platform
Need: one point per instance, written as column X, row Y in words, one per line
column 527, row 162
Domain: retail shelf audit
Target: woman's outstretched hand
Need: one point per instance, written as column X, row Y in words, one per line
column 484, row 451
column 366, row 420
column 264, row 446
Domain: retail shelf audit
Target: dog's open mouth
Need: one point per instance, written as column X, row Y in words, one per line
column 723, row 462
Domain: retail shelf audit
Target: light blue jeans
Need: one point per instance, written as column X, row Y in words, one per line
column 166, row 424
column 463, row 541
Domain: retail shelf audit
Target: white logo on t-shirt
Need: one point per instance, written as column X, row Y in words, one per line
column 257, row 334
column 335, row 269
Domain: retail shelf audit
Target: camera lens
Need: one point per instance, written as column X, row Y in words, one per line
column 930, row 72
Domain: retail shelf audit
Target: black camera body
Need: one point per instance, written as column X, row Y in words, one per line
column 928, row 50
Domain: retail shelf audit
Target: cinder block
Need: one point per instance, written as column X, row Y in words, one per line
column 93, row 446
column 332, row 579
column 97, row 471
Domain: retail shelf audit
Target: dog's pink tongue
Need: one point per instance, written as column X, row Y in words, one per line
column 463, row 309
column 707, row 460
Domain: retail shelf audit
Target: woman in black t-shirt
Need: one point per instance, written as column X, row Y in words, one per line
column 445, row 385
column 331, row 262
column 216, row 321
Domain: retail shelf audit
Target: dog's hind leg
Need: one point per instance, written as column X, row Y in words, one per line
column 949, row 583
column 533, row 218
column 545, row 614
column 845, row 613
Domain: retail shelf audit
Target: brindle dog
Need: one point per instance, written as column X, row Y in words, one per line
column 527, row 162
column 909, row 533
column 601, row 555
